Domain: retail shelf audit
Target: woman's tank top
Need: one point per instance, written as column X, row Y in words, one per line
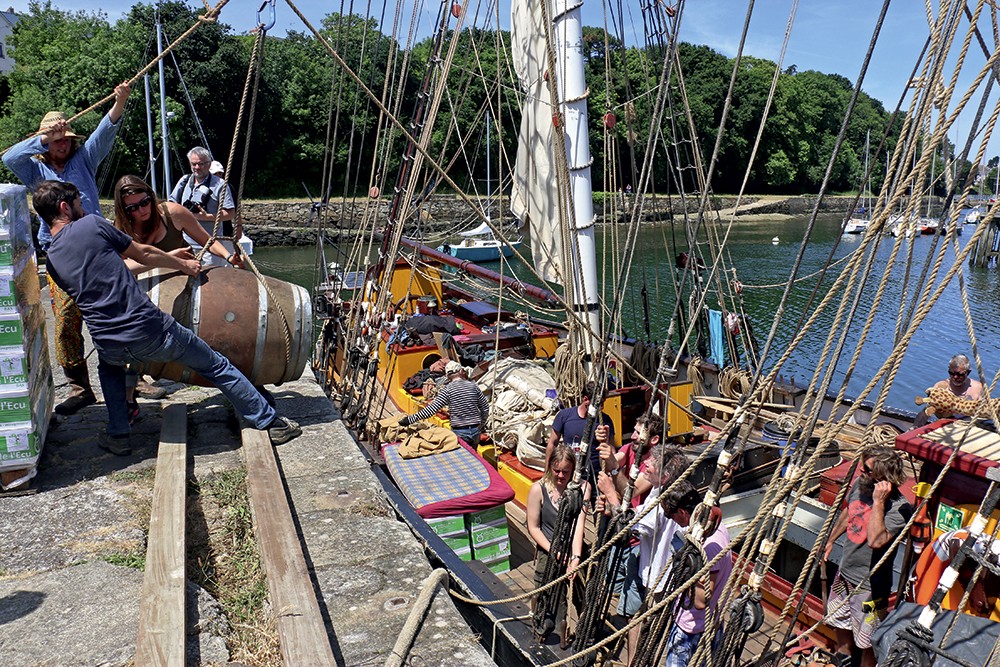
column 173, row 239
column 549, row 515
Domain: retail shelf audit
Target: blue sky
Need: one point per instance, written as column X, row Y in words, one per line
column 827, row 36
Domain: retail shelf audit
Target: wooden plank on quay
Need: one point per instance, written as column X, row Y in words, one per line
column 301, row 631
column 161, row 610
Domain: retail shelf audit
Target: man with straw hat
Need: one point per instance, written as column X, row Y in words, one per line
column 58, row 153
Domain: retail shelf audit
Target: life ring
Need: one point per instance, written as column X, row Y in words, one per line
column 935, row 560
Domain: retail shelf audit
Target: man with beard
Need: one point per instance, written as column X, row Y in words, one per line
column 876, row 513
column 85, row 260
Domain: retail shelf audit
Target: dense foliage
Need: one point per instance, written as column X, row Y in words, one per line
column 69, row 61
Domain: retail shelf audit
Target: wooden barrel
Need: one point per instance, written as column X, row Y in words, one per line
column 232, row 312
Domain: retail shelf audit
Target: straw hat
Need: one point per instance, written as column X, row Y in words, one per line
column 53, row 117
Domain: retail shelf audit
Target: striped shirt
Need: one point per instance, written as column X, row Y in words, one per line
column 467, row 406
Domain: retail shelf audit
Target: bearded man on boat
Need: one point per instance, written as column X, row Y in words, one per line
column 85, row 260
column 55, row 153
column 876, row 512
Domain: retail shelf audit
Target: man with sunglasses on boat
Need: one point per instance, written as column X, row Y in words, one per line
column 85, row 260
column 56, row 152
column 958, row 383
column 876, row 513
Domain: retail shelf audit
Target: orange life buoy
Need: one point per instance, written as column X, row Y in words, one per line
column 933, row 562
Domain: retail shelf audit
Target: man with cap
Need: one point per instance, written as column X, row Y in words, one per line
column 466, row 403
column 57, row 153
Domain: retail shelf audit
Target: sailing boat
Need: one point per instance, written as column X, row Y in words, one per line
column 479, row 244
column 366, row 352
column 858, row 224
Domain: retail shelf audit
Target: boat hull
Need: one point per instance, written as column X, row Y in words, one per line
column 481, row 251
column 263, row 328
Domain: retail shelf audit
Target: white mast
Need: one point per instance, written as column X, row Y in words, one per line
column 568, row 29
column 149, row 132
column 163, row 110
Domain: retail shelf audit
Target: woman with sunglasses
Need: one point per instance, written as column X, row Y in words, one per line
column 958, row 383
column 160, row 224
column 141, row 216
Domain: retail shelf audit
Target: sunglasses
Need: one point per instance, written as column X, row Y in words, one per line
column 142, row 203
column 958, row 374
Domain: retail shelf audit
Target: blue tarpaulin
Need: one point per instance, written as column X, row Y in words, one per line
column 716, row 338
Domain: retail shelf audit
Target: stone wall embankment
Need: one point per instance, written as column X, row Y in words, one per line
column 291, row 223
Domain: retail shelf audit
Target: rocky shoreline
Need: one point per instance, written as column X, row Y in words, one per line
column 294, row 223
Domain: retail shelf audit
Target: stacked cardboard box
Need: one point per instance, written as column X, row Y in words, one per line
column 452, row 530
column 26, row 389
column 490, row 539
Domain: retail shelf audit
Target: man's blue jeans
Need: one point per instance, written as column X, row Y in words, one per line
column 468, row 433
column 181, row 345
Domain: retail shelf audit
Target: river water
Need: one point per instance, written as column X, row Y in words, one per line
column 763, row 268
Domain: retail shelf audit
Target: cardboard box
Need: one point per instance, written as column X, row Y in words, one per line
column 15, row 217
column 497, row 566
column 19, row 288
column 456, row 541
column 20, row 445
column 490, row 551
column 464, row 554
column 447, row 525
column 489, row 532
column 487, row 516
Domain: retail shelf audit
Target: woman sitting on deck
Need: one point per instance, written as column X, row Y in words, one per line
column 542, row 513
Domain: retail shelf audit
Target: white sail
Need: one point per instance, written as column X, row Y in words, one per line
column 534, row 196
column 482, row 230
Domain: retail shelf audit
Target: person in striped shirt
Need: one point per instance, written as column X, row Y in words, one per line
column 466, row 403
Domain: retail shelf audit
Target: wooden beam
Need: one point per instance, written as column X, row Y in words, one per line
column 301, row 631
column 161, row 610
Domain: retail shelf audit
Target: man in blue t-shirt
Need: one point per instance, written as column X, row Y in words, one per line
column 569, row 425
column 85, row 260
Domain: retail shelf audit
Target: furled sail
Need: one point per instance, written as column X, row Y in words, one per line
column 534, row 196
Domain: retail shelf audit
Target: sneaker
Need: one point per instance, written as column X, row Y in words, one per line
column 147, row 390
column 133, row 412
column 283, row 429
column 117, row 445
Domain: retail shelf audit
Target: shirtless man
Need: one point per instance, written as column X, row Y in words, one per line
column 958, row 383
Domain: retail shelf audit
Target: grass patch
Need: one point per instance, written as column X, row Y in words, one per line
column 136, row 561
column 223, row 559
